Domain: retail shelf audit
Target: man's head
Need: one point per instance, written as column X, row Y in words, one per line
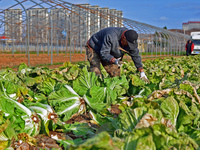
column 131, row 37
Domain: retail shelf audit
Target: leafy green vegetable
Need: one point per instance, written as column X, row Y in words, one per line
column 84, row 82
column 100, row 141
column 65, row 102
column 187, row 87
column 129, row 118
column 171, row 109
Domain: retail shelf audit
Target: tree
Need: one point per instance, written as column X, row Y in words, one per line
column 164, row 27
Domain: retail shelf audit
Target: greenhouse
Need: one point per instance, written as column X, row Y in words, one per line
column 58, row 26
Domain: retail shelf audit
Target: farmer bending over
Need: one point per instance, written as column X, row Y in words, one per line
column 108, row 47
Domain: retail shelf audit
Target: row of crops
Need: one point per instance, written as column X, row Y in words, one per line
column 71, row 108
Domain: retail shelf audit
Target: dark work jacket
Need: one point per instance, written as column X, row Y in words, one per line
column 106, row 43
column 189, row 47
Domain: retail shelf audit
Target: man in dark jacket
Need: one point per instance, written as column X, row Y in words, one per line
column 107, row 46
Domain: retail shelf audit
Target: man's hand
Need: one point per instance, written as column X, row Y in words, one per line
column 118, row 62
column 143, row 76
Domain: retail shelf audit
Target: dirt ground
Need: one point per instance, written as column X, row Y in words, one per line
column 12, row 61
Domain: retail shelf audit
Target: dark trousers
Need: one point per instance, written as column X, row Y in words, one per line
column 95, row 61
column 188, row 52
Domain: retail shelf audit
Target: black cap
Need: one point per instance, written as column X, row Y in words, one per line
column 131, row 37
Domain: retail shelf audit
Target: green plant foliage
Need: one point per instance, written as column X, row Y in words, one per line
column 187, row 87
column 85, row 81
column 80, row 110
column 171, row 109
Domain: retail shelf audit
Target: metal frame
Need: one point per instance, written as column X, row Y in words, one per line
column 80, row 22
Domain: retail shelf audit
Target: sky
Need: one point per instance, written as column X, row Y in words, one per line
column 159, row 13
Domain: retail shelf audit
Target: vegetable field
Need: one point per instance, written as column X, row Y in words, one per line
column 72, row 108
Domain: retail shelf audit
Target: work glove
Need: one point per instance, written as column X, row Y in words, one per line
column 144, row 77
column 118, row 62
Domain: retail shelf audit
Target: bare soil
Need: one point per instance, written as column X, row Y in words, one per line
column 12, row 61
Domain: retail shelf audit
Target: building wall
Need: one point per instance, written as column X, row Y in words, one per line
column 80, row 22
column 119, row 18
column 80, row 19
column 95, row 18
column 61, row 25
column 113, row 18
column 105, row 18
column 13, row 24
column 38, row 25
column 191, row 25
